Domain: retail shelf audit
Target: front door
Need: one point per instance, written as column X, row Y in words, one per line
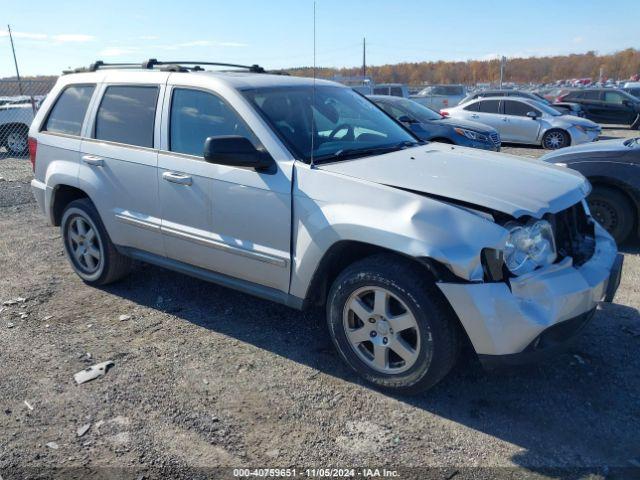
column 518, row 127
column 230, row 220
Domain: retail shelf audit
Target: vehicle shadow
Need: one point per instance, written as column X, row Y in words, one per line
column 579, row 409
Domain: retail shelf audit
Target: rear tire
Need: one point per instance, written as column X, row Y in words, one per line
column 425, row 343
column 612, row 209
column 88, row 247
column 555, row 139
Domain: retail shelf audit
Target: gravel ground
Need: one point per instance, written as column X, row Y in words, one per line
column 206, row 377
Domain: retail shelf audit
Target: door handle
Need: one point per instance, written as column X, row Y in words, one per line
column 179, row 178
column 93, row 160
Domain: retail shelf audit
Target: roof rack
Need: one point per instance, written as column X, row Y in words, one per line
column 173, row 66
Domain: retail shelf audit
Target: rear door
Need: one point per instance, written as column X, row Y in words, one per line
column 118, row 167
column 489, row 113
column 517, row 126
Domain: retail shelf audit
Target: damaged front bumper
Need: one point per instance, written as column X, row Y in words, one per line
column 539, row 311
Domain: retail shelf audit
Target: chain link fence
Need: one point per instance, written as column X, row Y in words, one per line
column 19, row 102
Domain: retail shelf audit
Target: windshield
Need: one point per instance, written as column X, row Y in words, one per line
column 333, row 123
column 548, row 109
column 420, row 112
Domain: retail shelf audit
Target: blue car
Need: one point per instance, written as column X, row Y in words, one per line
column 429, row 125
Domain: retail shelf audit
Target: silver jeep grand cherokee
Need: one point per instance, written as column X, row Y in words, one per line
column 306, row 193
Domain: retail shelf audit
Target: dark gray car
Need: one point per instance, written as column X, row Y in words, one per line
column 613, row 168
column 429, row 125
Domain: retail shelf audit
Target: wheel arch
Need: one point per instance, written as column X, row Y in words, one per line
column 345, row 252
column 61, row 196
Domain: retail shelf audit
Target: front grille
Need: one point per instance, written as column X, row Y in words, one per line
column 574, row 234
column 495, row 138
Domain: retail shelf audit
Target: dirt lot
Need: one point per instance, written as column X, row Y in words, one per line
column 206, row 377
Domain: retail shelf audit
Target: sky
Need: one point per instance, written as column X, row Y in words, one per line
column 51, row 36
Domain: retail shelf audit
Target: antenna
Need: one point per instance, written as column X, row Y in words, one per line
column 313, row 91
column 364, row 60
column 15, row 60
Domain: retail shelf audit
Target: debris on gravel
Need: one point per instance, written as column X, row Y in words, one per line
column 93, row 372
column 83, row 429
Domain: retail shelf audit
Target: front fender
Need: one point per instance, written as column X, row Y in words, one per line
column 329, row 208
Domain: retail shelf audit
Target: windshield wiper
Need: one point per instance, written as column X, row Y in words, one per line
column 347, row 153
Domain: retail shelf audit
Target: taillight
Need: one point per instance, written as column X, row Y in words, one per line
column 33, row 148
column 444, row 113
column 560, row 98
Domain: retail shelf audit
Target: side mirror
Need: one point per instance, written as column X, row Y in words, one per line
column 532, row 115
column 406, row 119
column 235, row 151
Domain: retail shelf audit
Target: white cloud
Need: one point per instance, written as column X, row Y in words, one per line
column 577, row 40
column 73, row 37
column 148, row 37
column 196, row 43
column 117, row 51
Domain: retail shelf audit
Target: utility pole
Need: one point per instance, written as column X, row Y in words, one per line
column 15, row 61
column 503, row 61
column 364, row 59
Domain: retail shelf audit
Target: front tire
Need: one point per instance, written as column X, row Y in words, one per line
column 612, row 209
column 555, row 139
column 88, row 246
column 391, row 325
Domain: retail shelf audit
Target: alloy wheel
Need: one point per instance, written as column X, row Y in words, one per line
column 84, row 244
column 17, row 142
column 381, row 330
column 554, row 140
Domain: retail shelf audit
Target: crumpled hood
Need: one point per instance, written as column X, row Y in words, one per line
column 514, row 185
column 573, row 120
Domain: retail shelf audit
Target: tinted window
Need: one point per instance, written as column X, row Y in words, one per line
column 381, row 91
column 613, row 97
column 68, row 113
column 396, row 91
column 473, row 107
column 196, row 115
column 591, row 95
column 519, row 109
column 490, row 106
column 127, row 114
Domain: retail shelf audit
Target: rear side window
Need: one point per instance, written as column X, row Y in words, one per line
column 67, row 114
column 490, row 106
column 613, row 97
column 127, row 115
column 473, row 107
column 591, row 95
column 396, row 91
column 196, row 115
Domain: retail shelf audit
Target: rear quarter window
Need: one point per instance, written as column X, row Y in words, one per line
column 69, row 110
column 127, row 115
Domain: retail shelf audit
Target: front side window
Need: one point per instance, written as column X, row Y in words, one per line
column 592, row 95
column 68, row 112
column 127, row 115
column 613, row 97
column 489, row 106
column 474, row 107
column 196, row 115
column 396, row 91
column 330, row 123
column 518, row 109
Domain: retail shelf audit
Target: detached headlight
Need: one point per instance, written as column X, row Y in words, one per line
column 529, row 246
column 471, row 134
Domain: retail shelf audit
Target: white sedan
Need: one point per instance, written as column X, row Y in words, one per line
column 521, row 120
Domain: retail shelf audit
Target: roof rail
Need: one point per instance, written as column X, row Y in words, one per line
column 174, row 65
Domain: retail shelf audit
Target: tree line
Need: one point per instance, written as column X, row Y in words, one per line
column 618, row 66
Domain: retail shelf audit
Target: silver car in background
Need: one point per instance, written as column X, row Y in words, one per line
column 440, row 96
column 521, row 120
